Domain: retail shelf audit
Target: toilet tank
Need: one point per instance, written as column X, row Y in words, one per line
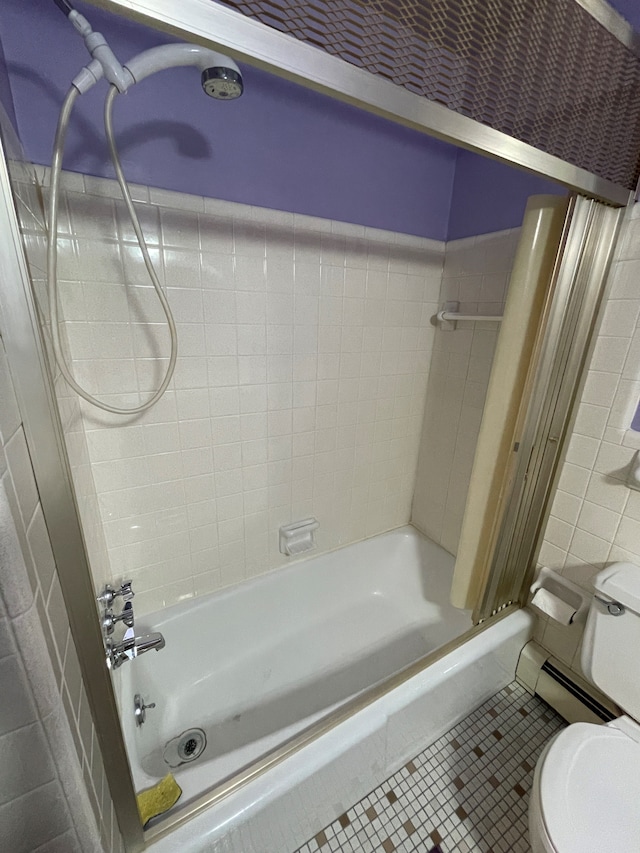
column 611, row 645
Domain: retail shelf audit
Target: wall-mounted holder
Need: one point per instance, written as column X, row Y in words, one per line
column 559, row 599
column 448, row 316
column 441, row 319
column 297, row 537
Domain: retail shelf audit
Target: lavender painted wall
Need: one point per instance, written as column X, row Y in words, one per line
column 629, row 9
column 489, row 196
column 280, row 145
column 6, row 98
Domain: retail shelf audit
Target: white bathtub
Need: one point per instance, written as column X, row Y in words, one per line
column 254, row 665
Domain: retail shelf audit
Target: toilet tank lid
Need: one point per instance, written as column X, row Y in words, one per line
column 620, row 581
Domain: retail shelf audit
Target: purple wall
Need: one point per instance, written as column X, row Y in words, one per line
column 630, row 9
column 280, row 145
column 6, row 98
column 489, row 196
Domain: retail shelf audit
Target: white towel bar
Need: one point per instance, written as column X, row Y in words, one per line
column 448, row 316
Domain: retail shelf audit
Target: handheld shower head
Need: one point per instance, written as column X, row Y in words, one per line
column 221, row 78
column 222, row 81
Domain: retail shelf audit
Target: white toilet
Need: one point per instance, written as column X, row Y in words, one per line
column 586, row 789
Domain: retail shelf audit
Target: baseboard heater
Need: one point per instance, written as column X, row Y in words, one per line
column 567, row 693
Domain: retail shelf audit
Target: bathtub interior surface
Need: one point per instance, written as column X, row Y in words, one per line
column 255, row 664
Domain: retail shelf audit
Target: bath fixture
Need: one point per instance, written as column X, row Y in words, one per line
column 140, row 709
column 447, row 317
column 108, row 594
column 352, row 604
column 109, row 620
column 185, row 748
column 118, row 653
column 220, row 78
column 341, row 752
column 105, row 601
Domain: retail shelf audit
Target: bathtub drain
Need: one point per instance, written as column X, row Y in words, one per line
column 186, row 747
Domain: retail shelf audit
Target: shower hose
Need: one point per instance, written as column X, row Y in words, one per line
column 52, row 255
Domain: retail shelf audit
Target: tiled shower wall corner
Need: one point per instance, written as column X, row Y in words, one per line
column 301, row 379
column 42, row 798
column 595, row 517
column 26, row 181
column 476, row 274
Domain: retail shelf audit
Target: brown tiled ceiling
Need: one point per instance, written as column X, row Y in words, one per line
column 542, row 71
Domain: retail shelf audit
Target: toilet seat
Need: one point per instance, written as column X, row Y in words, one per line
column 588, row 789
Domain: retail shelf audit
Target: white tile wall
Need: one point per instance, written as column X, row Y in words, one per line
column 299, row 390
column 26, row 181
column 476, row 274
column 43, row 644
column 595, row 517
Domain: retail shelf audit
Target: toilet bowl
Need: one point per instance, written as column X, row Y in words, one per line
column 586, row 791
column 586, row 788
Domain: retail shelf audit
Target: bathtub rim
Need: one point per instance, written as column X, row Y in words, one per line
column 294, row 744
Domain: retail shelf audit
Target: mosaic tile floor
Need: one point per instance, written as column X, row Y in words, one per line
column 468, row 792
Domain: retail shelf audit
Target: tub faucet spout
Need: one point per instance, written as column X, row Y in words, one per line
column 148, row 642
column 131, row 647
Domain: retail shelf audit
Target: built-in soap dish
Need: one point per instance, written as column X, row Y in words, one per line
column 297, row 537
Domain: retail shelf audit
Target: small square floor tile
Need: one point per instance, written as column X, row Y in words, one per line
column 466, row 793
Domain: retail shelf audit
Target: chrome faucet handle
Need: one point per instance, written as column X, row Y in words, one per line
column 140, row 709
column 108, row 594
column 125, row 591
column 126, row 617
